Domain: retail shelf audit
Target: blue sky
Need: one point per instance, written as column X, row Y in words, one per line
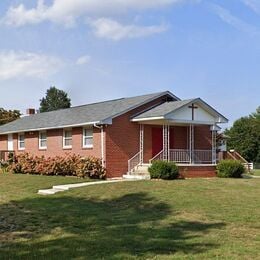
column 98, row 50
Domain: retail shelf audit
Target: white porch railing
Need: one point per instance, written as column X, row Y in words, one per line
column 134, row 161
column 180, row 155
column 249, row 166
column 184, row 156
column 202, row 156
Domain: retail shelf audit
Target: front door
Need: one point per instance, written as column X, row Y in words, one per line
column 10, row 144
column 157, row 140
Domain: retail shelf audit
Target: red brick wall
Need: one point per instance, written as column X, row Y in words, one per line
column 3, row 142
column 197, row 171
column 122, row 141
column 54, row 143
column 180, row 137
column 148, row 146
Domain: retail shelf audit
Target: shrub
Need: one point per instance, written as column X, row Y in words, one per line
column 230, row 169
column 164, row 170
column 70, row 165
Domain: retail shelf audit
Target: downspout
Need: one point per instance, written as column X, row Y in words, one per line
column 102, row 143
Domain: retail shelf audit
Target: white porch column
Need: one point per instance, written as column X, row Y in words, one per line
column 141, row 149
column 191, row 143
column 103, row 147
column 166, row 142
column 214, row 146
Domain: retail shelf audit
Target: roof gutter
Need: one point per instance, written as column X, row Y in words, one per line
column 50, row 128
column 102, row 143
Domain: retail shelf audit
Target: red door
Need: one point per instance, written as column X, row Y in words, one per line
column 157, row 140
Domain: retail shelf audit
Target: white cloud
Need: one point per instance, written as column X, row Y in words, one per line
column 67, row 11
column 25, row 64
column 253, row 4
column 83, row 60
column 111, row 29
column 232, row 20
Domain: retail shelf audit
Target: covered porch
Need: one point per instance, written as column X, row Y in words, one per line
column 182, row 144
column 183, row 132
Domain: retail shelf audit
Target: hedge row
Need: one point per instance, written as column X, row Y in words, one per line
column 70, row 165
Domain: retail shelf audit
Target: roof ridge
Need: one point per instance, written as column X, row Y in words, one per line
column 101, row 102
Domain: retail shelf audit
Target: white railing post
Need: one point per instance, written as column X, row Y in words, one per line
column 214, row 147
column 191, row 143
column 166, row 142
column 141, row 144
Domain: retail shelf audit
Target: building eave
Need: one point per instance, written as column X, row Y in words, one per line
column 51, row 128
column 147, row 119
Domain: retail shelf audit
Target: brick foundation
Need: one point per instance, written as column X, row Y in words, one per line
column 197, row 171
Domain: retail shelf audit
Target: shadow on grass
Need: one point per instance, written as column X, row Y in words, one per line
column 70, row 227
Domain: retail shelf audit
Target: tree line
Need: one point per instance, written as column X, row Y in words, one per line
column 244, row 136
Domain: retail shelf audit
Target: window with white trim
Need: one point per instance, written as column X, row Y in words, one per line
column 87, row 137
column 43, row 140
column 21, row 141
column 67, row 138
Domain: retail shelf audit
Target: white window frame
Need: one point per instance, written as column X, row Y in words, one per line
column 40, row 140
column 19, row 142
column 84, row 137
column 64, row 139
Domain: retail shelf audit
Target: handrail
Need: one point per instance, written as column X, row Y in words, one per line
column 231, row 155
column 241, row 157
column 134, row 161
column 157, row 155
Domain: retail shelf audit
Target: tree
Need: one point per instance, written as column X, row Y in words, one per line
column 256, row 115
column 55, row 99
column 7, row 116
column 245, row 136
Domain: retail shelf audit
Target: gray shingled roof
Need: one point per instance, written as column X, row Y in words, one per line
column 164, row 109
column 81, row 115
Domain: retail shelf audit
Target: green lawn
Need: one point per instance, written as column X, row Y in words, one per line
column 184, row 219
column 256, row 172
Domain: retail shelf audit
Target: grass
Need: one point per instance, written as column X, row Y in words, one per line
column 256, row 172
column 185, row 219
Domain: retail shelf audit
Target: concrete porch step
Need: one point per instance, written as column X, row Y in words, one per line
column 136, row 177
column 141, row 169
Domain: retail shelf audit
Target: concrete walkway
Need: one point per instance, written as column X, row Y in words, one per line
column 60, row 188
column 247, row 176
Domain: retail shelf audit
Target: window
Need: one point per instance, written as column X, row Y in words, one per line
column 21, row 142
column 42, row 140
column 87, row 137
column 67, row 138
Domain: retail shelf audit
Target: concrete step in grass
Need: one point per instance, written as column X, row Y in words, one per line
column 48, row 191
column 60, row 188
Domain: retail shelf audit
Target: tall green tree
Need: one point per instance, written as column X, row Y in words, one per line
column 245, row 136
column 7, row 116
column 55, row 99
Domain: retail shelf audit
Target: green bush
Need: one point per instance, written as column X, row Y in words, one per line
column 230, row 169
column 163, row 170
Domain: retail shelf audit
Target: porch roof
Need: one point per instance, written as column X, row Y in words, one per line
column 167, row 110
